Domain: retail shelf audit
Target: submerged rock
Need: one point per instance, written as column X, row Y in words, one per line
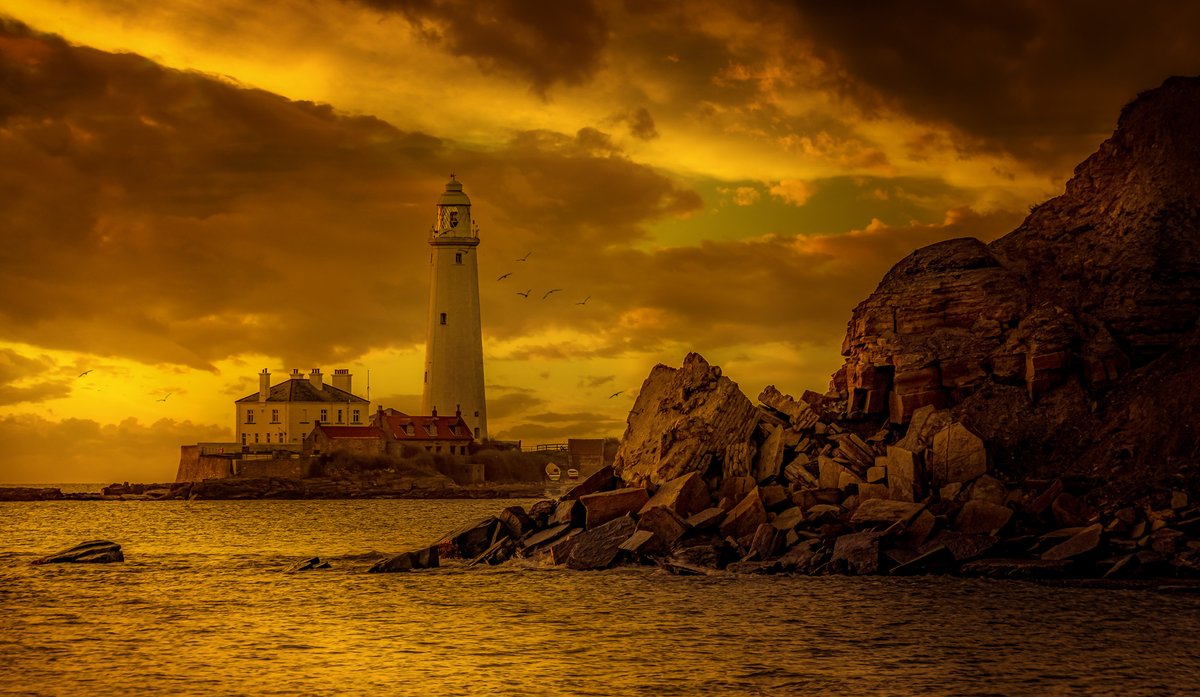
column 93, row 552
column 310, row 564
column 426, row 558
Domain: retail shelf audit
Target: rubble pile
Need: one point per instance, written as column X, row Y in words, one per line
column 791, row 490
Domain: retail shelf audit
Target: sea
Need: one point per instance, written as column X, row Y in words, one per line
column 203, row 605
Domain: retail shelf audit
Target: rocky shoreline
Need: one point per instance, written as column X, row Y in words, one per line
column 274, row 488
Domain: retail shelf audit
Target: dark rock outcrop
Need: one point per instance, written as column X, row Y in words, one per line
column 424, row 558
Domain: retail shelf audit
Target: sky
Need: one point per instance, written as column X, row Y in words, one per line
column 194, row 190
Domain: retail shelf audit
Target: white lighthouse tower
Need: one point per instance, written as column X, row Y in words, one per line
column 454, row 340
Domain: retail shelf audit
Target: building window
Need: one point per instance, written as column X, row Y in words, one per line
column 274, row 416
column 409, row 430
column 437, row 448
column 443, row 318
column 303, row 416
column 476, row 431
column 458, row 257
column 454, row 430
column 431, row 429
column 426, row 376
column 243, row 439
column 476, row 413
column 249, row 416
column 356, row 416
column 255, row 437
column 324, row 415
column 339, row 416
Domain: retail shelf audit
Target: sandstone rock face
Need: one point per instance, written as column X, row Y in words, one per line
column 957, row 456
column 93, row 552
column 683, row 420
column 1058, row 343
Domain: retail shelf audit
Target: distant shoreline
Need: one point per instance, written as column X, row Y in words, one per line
column 273, row 488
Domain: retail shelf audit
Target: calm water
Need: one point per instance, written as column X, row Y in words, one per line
column 202, row 606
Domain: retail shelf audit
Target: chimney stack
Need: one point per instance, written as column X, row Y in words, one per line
column 264, row 385
column 317, row 380
column 341, row 379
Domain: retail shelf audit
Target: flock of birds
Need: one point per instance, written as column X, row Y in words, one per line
column 525, row 293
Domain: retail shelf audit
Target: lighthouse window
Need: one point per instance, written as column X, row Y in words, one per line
column 443, row 318
column 458, row 257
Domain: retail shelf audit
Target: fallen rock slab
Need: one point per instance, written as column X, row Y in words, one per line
column 1081, row 542
column 982, row 518
column 1016, row 568
column 686, row 495
column 610, row 505
column 745, row 517
column 957, row 455
column 858, row 553
column 92, row 552
column 884, row 511
column 597, row 548
column 426, row 558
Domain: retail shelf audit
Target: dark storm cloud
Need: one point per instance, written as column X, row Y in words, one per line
column 505, row 405
column 542, row 42
column 641, row 124
column 26, row 379
column 1040, row 80
column 170, row 217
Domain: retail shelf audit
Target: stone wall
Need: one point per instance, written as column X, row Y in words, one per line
column 295, row 468
column 194, row 467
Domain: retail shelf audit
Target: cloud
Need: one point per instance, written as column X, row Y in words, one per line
column 591, row 382
column 741, row 195
column 793, row 191
column 1042, row 81
column 641, row 124
column 545, row 43
column 512, row 404
column 24, row 379
column 39, row 450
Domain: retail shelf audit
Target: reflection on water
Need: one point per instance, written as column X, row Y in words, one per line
column 202, row 606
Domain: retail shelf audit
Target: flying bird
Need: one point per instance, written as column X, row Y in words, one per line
column 552, row 290
column 525, row 294
column 165, row 398
column 584, row 301
column 614, row 394
column 525, row 257
column 86, row 372
column 504, row 276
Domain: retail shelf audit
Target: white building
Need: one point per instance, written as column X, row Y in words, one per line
column 454, row 338
column 280, row 416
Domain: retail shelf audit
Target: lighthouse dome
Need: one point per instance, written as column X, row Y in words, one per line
column 454, row 196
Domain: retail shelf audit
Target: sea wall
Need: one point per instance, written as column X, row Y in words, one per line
column 294, row 468
column 195, row 467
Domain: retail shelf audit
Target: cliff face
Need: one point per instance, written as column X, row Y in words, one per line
column 1070, row 343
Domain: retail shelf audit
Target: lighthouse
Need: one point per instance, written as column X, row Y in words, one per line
column 454, row 337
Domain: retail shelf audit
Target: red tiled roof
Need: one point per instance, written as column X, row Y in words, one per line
column 341, row 432
column 397, row 423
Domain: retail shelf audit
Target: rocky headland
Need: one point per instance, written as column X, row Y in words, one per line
column 1020, row 409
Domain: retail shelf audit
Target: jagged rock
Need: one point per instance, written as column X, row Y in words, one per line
column 681, row 420
column 877, row 474
column 788, row 519
column 541, row 511
column 603, row 479
column 1072, row 512
column 597, row 548
column 957, row 455
column 28, row 493
column 872, row 491
column 568, row 512
column 685, row 495
column 936, row 558
column 797, row 472
column 989, row 490
column 636, row 542
column 665, row 525
column 1081, row 542
column 982, row 518
column 499, row 552
column 745, row 517
column 857, row 455
column 800, row 414
column 516, row 522
column 538, row 540
column 739, row 460
column 609, row 505
column 310, row 564
column 963, row 546
column 774, row 497
column 918, row 529
column 426, row 558
column 473, row 538
column 767, row 541
column 706, row 520
column 858, row 553
column 559, row 550
column 902, row 473
column 92, row 552
column 925, row 423
column 884, row 511
column 734, row 489
column 770, row 456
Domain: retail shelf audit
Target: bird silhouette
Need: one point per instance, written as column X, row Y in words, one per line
column 614, row 394
column 525, row 257
column 165, row 398
column 584, row 301
column 525, row 294
column 504, row 276
column 552, row 290
column 86, row 372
